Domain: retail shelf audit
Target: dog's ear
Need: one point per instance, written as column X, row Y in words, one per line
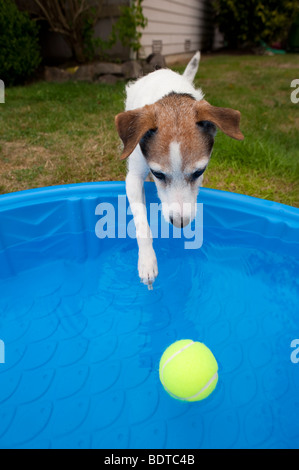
column 228, row 120
column 132, row 125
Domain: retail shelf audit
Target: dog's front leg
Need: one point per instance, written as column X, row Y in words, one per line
column 147, row 261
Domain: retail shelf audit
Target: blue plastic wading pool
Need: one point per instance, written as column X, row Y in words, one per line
column 81, row 337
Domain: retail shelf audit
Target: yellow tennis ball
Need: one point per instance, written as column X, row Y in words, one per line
column 188, row 370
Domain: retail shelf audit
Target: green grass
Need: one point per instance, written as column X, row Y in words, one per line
column 64, row 133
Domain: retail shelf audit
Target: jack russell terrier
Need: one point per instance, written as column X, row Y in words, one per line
column 168, row 129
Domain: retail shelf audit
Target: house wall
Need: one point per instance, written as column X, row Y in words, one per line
column 177, row 26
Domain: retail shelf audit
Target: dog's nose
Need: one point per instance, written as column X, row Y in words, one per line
column 184, row 222
column 179, row 222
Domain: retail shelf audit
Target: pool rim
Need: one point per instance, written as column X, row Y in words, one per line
column 213, row 197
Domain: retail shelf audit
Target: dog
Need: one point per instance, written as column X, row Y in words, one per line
column 168, row 130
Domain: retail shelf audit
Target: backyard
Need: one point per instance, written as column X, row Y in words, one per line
column 53, row 134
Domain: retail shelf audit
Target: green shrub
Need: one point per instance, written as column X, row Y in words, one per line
column 19, row 48
column 127, row 27
column 250, row 21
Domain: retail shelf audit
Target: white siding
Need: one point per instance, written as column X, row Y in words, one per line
column 177, row 23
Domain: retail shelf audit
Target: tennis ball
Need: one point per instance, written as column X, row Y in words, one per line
column 188, row 370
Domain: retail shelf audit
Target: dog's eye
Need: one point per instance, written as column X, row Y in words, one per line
column 159, row 175
column 197, row 174
column 208, row 127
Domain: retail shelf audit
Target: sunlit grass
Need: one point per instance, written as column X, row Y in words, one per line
column 64, row 133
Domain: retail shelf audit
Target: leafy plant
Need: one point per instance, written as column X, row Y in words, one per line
column 92, row 45
column 127, row 28
column 19, row 48
column 73, row 19
column 251, row 21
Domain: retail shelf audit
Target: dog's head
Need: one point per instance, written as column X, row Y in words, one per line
column 176, row 136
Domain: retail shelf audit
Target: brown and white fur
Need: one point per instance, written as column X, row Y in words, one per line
column 168, row 129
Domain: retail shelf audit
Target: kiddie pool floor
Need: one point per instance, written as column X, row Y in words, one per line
column 83, row 338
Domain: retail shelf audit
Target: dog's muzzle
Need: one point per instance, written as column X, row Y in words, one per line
column 179, row 222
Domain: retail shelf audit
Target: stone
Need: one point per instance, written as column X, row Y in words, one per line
column 132, row 69
column 100, row 72
column 84, row 73
column 153, row 62
column 109, row 79
column 107, row 68
column 55, row 74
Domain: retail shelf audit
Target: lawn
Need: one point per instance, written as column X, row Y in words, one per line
column 53, row 134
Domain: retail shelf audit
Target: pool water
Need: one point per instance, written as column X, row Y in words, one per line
column 83, row 339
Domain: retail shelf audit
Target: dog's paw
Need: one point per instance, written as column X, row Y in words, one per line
column 147, row 267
